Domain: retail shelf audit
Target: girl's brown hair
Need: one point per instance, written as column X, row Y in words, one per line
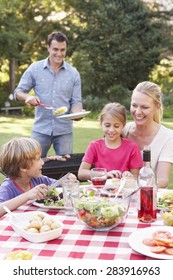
column 116, row 110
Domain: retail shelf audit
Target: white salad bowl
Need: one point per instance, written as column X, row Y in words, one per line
column 20, row 223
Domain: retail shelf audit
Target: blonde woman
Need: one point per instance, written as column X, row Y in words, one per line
column 146, row 129
column 118, row 155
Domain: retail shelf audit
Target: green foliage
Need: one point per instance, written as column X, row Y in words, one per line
column 28, row 111
column 113, row 43
column 23, row 25
column 162, row 74
column 120, row 41
column 3, row 96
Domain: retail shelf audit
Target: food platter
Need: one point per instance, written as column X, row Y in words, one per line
column 74, row 116
column 162, row 196
column 137, row 237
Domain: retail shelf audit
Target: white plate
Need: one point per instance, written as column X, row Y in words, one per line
column 41, row 205
column 74, row 116
column 160, row 194
column 112, row 182
column 137, row 237
column 20, row 220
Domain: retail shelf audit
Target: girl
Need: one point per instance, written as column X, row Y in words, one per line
column 118, row 155
column 20, row 160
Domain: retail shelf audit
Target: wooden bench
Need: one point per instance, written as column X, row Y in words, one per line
column 7, row 109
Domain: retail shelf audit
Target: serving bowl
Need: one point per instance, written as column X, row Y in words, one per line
column 100, row 212
column 36, row 226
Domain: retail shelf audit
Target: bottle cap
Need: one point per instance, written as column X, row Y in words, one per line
column 146, row 155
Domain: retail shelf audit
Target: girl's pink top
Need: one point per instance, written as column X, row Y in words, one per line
column 127, row 156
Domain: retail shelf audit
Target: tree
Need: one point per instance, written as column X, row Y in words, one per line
column 113, row 43
column 118, row 41
column 23, row 33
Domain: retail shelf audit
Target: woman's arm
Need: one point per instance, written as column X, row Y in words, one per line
column 163, row 173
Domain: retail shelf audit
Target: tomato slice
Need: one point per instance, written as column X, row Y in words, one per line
column 161, row 234
column 161, row 242
column 149, row 242
column 169, row 251
column 158, row 249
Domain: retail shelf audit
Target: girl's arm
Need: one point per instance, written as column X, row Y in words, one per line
column 84, row 171
column 114, row 174
column 36, row 193
column 134, row 172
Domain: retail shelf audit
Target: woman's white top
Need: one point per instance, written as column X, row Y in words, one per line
column 161, row 146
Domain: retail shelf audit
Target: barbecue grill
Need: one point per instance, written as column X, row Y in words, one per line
column 56, row 169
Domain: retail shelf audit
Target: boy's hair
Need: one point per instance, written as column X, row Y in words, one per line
column 18, row 153
column 116, row 110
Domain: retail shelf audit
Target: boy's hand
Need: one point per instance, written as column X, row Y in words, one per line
column 38, row 192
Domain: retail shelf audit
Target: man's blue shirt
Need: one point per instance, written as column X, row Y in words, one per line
column 61, row 89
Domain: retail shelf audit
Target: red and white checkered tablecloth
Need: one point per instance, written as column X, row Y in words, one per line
column 76, row 241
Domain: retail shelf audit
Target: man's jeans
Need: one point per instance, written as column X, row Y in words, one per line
column 62, row 144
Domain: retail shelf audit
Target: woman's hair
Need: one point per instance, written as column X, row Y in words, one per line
column 18, row 153
column 116, row 110
column 58, row 36
column 153, row 91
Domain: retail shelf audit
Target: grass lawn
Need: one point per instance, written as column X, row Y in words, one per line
column 84, row 131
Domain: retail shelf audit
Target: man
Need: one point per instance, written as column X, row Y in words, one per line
column 56, row 83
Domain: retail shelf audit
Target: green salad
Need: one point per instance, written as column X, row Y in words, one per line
column 99, row 213
column 53, row 198
column 166, row 201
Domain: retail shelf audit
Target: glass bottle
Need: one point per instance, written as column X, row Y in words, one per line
column 147, row 195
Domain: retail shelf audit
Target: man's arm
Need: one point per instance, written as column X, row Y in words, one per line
column 27, row 98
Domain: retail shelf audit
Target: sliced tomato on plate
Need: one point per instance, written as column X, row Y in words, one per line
column 161, row 234
column 158, row 249
column 149, row 242
column 169, row 251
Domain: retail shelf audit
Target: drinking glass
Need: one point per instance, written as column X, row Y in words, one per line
column 69, row 186
column 98, row 177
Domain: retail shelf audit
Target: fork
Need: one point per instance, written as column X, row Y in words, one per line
column 46, row 106
column 53, row 185
column 57, row 182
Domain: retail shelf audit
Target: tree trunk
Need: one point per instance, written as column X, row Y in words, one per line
column 12, row 75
